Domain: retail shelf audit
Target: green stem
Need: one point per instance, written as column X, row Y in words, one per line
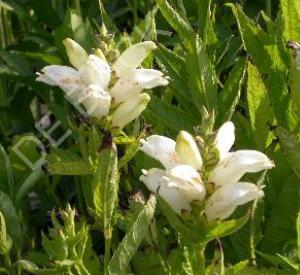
column 200, row 252
column 252, row 234
column 107, row 237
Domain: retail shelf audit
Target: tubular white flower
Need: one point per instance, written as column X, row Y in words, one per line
column 157, row 182
column 188, row 151
column 77, row 55
column 95, row 71
column 96, row 101
column 225, row 138
column 129, row 110
column 224, row 200
column 134, row 82
column 162, row 149
column 236, row 164
column 188, row 182
column 68, row 79
column 132, row 57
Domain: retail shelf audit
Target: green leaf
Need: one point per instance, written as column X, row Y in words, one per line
column 279, row 260
column 291, row 17
column 66, row 163
column 132, row 239
column 237, row 268
column 298, row 234
column 220, row 229
column 177, row 223
column 172, row 116
column 108, row 162
column 28, row 184
column 183, row 27
column 143, row 28
column 6, row 175
column 27, row 266
column 291, row 148
column 130, row 152
column 11, row 218
column 5, row 240
column 230, row 94
column 260, row 111
column 57, row 249
column 268, row 52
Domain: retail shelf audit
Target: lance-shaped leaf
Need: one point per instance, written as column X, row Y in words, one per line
column 291, row 147
column 291, row 17
column 106, row 182
column 183, row 27
column 221, row 229
column 6, row 176
column 177, row 223
column 12, row 220
column 133, row 239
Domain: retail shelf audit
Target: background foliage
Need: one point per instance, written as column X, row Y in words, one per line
column 232, row 58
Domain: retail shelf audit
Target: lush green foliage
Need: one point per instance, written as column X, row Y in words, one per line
column 78, row 207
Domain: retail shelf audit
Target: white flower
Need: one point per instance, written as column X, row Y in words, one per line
column 129, row 110
column 222, row 203
column 233, row 165
column 88, row 83
column 180, row 183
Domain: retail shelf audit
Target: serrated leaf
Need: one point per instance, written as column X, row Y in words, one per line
column 61, row 162
column 70, row 168
column 172, row 116
column 230, row 94
column 221, row 228
column 183, row 27
column 291, row 148
column 130, row 152
column 279, row 261
column 260, row 111
column 291, row 17
column 132, row 239
column 57, row 249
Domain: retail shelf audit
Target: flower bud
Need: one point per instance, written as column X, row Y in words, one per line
column 77, row 55
column 98, row 52
column 188, row 151
column 129, row 110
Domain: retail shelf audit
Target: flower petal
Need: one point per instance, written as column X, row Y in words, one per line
column 129, row 110
column 95, row 71
column 134, row 82
column 188, row 182
column 225, row 138
column 96, row 101
column 66, row 78
column 132, row 57
column 77, row 55
column 188, row 151
column 236, row 164
column 156, row 181
column 225, row 199
column 162, row 149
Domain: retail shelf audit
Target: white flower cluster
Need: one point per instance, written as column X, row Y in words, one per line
column 89, row 82
column 180, row 183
